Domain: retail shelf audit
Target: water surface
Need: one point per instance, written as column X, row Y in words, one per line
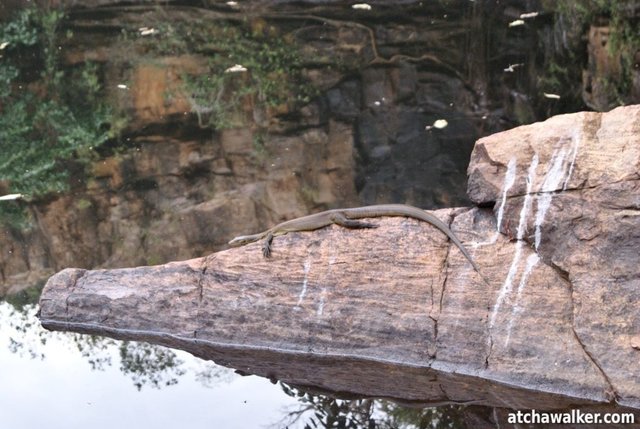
column 75, row 381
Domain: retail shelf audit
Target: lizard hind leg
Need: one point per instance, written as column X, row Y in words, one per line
column 342, row 220
column 266, row 245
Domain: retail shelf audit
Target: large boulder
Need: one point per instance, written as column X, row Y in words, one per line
column 549, row 321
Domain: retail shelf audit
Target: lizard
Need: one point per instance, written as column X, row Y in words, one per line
column 347, row 218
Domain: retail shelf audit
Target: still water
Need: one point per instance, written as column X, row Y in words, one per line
column 79, row 381
column 76, row 381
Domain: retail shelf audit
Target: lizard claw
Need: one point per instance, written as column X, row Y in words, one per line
column 266, row 250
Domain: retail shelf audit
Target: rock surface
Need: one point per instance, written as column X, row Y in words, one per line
column 567, row 190
column 398, row 312
column 385, row 75
column 338, row 310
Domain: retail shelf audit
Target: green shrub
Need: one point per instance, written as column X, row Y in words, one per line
column 624, row 37
column 273, row 65
column 51, row 116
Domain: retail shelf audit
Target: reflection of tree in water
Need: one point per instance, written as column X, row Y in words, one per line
column 149, row 365
column 145, row 364
column 320, row 411
column 445, row 417
column 24, row 335
column 96, row 350
column 211, row 375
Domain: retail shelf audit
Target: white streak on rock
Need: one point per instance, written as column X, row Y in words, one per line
column 507, row 285
column 513, row 269
column 556, row 174
column 509, row 180
column 532, row 260
column 576, row 139
column 303, row 292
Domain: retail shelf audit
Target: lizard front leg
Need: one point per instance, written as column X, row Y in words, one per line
column 266, row 245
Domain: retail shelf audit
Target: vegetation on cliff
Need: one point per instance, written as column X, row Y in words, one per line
column 55, row 115
column 618, row 21
column 249, row 67
column 51, row 117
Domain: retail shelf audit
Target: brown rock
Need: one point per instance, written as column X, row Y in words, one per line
column 604, row 71
column 568, row 190
column 296, row 318
column 348, row 148
column 398, row 312
column 155, row 89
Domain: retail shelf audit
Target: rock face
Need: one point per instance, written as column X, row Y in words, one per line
column 396, row 311
column 567, row 190
column 385, row 76
column 392, row 312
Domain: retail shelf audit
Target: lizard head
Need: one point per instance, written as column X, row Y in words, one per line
column 241, row 240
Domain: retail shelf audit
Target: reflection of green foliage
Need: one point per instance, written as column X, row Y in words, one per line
column 146, row 364
column 562, row 65
column 154, row 259
column 14, row 214
column 273, row 77
column 149, row 365
column 624, row 40
column 83, row 203
column 46, row 123
column 25, row 297
column 319, row 411
column 260, row 150
column 21, row 324
column 95, row 349
column 22, row 30
column 445, row 417
column 556, row 76
column 211, row 375
column 309, row 194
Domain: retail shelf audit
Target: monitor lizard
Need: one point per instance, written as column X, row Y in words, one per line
column 346, row 218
